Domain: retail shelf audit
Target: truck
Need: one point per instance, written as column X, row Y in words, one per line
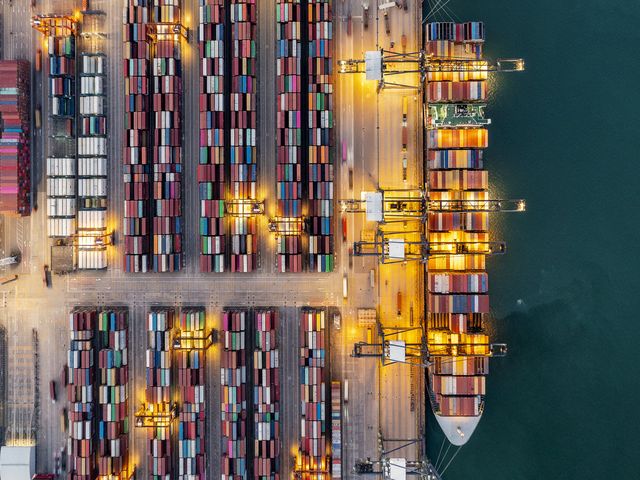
column 399, row 303
column 344, row 152
column 345, row 391
column 372, row 278
column 349, row 22
column 38, row 60
column 404, row 168
column 387, row 23
column 405, row 138
column 403, row 42
column 63, row 420
column 345, row 286
column 350, row 178
column 46, row 276
column 405, row 109
column 344, row 229
column 52, row 391
column 38, row 117
column 365, row 14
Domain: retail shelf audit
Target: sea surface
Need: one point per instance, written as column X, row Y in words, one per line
column 565, row 402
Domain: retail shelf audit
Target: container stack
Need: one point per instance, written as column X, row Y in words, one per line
column 313, row 449
column 320, row 167
column 136, row 156
column 62, row 54
column 166, row 139
column 92, row 163
column 266, row 397
column 336, row 430
column 289, row 130
column 458, row 300
column 15, row 155
column 242, row 148
column 61, row 196
column 234, row 396
column 211, row 160
column 190, row 361
column 81, row 445
column 113, row 376
column 158, row 391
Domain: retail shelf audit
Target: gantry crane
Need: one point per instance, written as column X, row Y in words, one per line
column 55, row 25
column 381, row 65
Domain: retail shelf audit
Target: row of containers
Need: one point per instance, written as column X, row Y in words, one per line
column 242, row 143
column 313, row 455
column 152, row 157
column 158, row 392
column 92, row 163
column 320, row 135
column 212, row 158
column 176, row 345
column 15, row 153
column 457, row 284
column 97, row 376
column 227, row 167
column 289, row 123
column 61, row 189
column 304, row 125
column 250, row 383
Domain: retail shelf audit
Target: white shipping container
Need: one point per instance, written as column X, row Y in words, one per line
column 92, row 219
column 92, row 187
column 61, row 207
column 61, row 227
column 92, row 105
column 61, row 167
column 61, row 187
column 92, row 167
column 92, row 259
column 92, row 146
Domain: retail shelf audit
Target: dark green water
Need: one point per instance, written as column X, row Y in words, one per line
column 564, row 404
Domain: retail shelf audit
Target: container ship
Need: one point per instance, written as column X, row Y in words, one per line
column 457, row 283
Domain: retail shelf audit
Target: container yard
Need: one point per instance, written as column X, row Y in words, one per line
column 158, row 392
column 211, row 159
column 233, row 401
column 266, row 397
column 15, row 127
column 190, row 363
column 221, row 158
column 313, row 461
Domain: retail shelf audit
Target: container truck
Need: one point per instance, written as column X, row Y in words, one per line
column 38, row 60
column 345, row 286
column 365, row 14
column 345, row 392
column 399, row 303
column 38, row 117
column 52, row 391
column 344, row 229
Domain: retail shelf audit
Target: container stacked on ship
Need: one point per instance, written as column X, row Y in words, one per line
column 457, row 285
column 242, row 146
column 15, row 155
column 266, row 397
column 233, row 405
column 166, row 88
column 136, row 157
column 158, row 391
column 320, row 154
column 92, row 163
column 113, row 396
column 81, row 446
column 190, row 361
column 289, row 134
column 312, row 456
column 211, row 158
